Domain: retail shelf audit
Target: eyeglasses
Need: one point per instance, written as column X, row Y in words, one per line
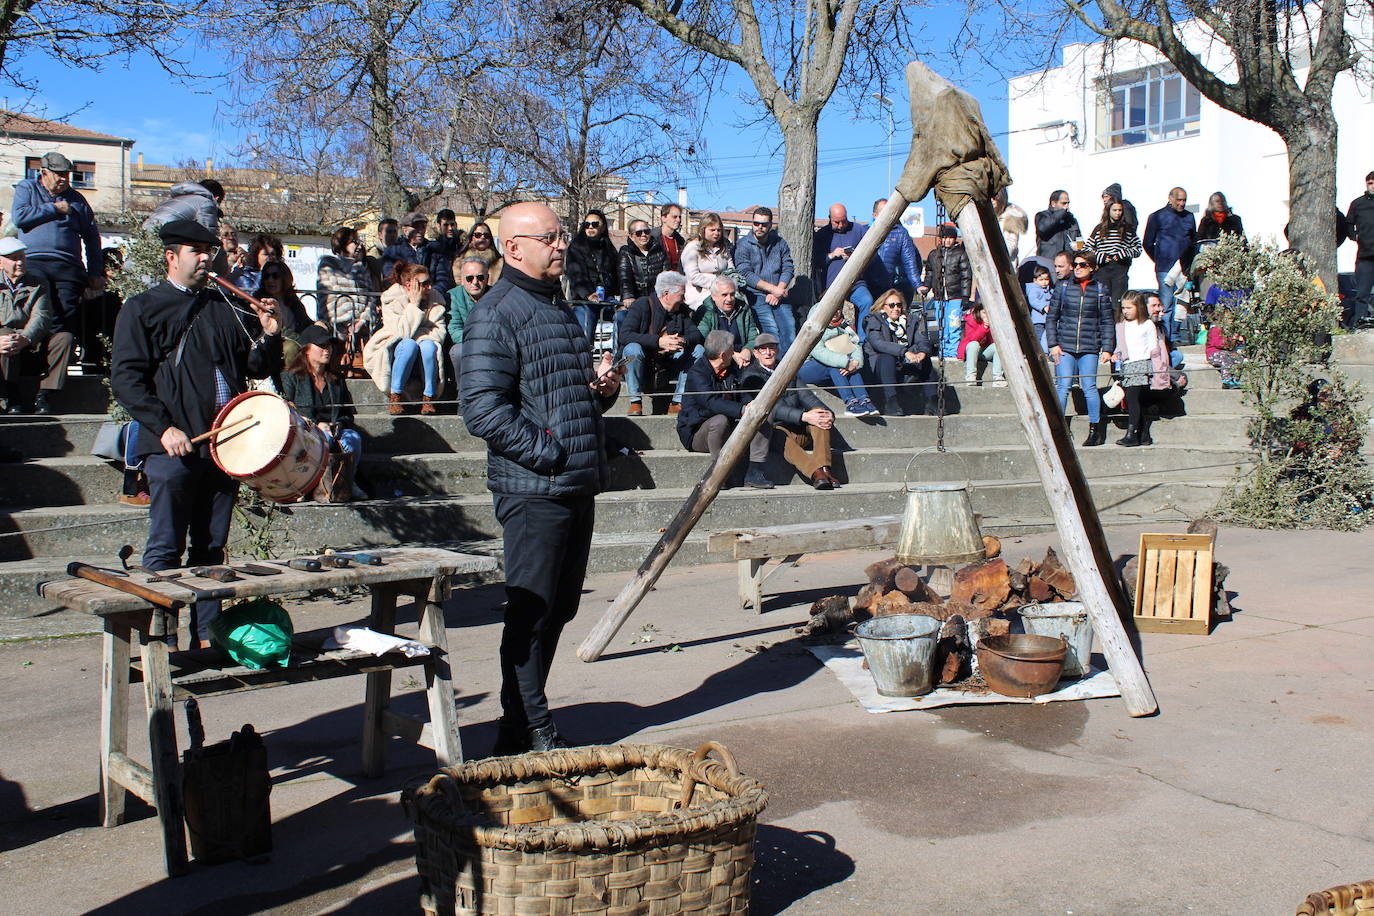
column 640, row 232
column 476, row 278
column 762, row 225
column 591, row 225
column 1078, row 264
column 481, row 235
column 548, row 238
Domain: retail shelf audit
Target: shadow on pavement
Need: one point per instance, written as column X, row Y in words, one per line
column 789, row 866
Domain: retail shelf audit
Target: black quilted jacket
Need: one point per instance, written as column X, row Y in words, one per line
column 1081, row 320
column 526, row 368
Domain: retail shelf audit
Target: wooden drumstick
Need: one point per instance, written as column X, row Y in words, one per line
column 219, row 429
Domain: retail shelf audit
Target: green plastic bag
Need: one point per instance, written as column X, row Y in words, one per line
column 255, row 634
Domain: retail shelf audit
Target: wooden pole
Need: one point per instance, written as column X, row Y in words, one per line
column 1075, row 516
column 734, row 448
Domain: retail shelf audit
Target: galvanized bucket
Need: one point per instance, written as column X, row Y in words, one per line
column 900, row 649
column 1068, row 620
column 938, row 526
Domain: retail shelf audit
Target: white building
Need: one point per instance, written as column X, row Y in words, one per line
column 1125, row 116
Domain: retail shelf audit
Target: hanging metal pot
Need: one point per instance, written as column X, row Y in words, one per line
column 938, row 526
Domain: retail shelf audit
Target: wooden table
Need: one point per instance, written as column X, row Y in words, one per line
column 420, row 573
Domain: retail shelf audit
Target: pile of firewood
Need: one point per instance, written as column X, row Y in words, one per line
column 981, row 597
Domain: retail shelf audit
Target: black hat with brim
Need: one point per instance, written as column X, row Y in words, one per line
column 316, row 334
column 186, row 232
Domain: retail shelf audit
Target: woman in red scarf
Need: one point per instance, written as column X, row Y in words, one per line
column 1218, row 218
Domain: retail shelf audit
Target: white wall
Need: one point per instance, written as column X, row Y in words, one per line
column 1244, row 160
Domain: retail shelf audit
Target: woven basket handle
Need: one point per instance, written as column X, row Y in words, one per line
column 689, row 780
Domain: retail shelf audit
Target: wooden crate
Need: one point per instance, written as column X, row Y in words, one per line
column 1173, row 585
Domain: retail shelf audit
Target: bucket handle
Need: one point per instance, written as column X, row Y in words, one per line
column 689, row 780
column 906, row 475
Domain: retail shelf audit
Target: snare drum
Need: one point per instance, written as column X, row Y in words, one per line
column 279, row 454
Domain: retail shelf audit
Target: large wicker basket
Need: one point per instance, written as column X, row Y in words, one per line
column 1346, row 900
column 629, row 830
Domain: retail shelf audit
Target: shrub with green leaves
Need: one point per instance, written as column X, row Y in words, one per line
column 1309, row 470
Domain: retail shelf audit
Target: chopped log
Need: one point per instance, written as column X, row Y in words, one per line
column 988, row 626
column 1026, row 567
column 1017, row 580
column 828, row 615
column 938, row 610
column 941, row 580
column 1039, row 589
column 909, row 581
column 992, row 547
column 952, row 651
column 966, row 610
column 882, row 571
column 863, row 602
column 893, row 602
column 1206, row 525
column 1054, row 573
column 1222, row 602
column 1129, row 570
column 984, row 584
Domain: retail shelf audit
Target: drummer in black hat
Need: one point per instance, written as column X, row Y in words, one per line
column 182, row 350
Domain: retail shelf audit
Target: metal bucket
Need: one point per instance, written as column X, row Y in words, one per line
column 1069, row 621
column 938, row 525
column 899, row 649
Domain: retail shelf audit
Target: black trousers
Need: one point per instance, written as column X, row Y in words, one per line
column 66, row 285
column 192, row 496
column 887, row 371
column 1137, row 399
column 1112, row 274
column 547, row 541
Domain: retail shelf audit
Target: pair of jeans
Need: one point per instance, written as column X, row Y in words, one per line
column 350, row 440
column 975, row 352
column 1166, row 299
column 66, row 288
column 403, row 362
column 1364, row 284
column 547, row 540
column 710, row 438
column 949, row 321
column 190, row 495
column 863, row 302
column 1079, row 369
column 678, row 363
column 586, row 316
column 777, row 320
column 848, row 387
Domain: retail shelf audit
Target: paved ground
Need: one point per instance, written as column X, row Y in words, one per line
column 1250, row 789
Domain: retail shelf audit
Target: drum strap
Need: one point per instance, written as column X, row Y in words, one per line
column 181, row 341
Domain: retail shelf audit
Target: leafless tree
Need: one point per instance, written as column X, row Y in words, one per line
column 83, row 33
column 798, row 54
column 1249, row 57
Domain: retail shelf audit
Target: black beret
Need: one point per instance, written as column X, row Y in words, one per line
column 186, row 232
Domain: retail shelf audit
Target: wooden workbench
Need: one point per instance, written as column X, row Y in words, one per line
column 420, row 573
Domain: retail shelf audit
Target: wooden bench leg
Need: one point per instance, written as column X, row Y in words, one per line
column 162, row 744
column 443, row 712
column 378, row 693
column 751, row 583
column 114, row 717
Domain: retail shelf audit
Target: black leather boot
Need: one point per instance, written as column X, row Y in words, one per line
column 511, row 738
column 1097, row 434
column 1131, row 439
column 547, row 739
column 1145, row 432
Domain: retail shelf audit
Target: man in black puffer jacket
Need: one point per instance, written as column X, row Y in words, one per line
column 529, row 390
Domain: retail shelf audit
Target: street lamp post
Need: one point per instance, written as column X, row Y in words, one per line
column 891, row 129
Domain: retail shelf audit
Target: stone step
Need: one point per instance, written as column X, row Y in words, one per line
column 74, row 481
column 99, row 531
column 72, row 436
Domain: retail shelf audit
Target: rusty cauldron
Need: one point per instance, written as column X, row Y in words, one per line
column 1021, row 665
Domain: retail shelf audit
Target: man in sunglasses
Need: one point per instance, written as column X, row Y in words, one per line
column 58, row 229
column 765, row 259
column 473, row 283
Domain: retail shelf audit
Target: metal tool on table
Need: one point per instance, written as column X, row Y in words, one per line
column 362, row 559
column 254, row 569
column 307, row 564
column 335, row 560
column 123, row 583
column 202, row 594
column 218, row 573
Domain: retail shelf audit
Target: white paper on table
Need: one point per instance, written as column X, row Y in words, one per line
column 361, row 639
column 846, row 662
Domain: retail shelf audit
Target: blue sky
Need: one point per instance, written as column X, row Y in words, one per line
column 173, row 120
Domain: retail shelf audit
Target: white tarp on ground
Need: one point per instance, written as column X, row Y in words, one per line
column 846, row 663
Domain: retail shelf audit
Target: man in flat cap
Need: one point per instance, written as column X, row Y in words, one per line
column 181, row 352
column 59, row 228
column 26, row 331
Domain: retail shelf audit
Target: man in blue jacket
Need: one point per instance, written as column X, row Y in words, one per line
column 1171, row 238
column 835, row 243
column 765, row 259
column 58, row 227
column 898, row 263
column 530, row 390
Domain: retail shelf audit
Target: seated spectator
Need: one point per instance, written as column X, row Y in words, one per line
column 1038, row 298
column 592, row 270
column 412, row 326
column 25, row 331
column 314, row 383
column 799, row 418
column 276, row 282
column 340, row 273
column 836, row 360
column 831, row 247
column 661, row 337
column 641, row 261
column 897, row 350
column 1224, row 354
column 713, row 404
column 728, row 311
column 1156, row 310
column 264, row 248
column 764, row 259
column 410, row 249
column 473, row 283
column 705, row 257
column 977, row 347
column 482, row 244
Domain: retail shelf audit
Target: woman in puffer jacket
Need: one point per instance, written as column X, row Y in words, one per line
column 1081, row 333
column 836, row 359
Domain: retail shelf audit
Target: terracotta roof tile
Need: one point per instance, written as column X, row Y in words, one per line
column 17, row 124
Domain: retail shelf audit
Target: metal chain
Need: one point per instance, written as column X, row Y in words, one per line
column 940, row 344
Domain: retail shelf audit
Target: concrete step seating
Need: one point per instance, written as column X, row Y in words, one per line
column 58, row 503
